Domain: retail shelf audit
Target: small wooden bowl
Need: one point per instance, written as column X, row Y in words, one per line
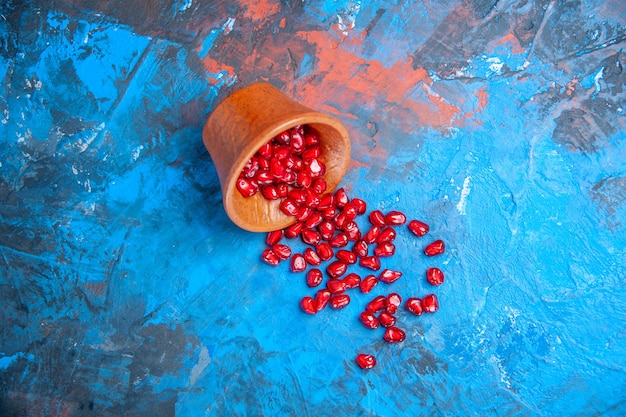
column 248, row 119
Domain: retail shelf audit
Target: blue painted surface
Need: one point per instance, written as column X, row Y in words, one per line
column 127, row 291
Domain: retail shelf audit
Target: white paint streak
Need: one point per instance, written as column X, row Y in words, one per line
column 228, row 26
column 136, row 152
column 465, row 191
column 495, row 65
column 597, row 78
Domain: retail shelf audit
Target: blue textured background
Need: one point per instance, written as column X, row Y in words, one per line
column 127, row 291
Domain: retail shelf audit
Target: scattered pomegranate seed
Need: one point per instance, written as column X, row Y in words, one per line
column 352, row 280
column 346, row 256
column 394, row 334
column 341, row 198
column 369, row 320
column 395, row 218
column 269, row 257
column 322, row 298
column 326, row 229
column 365, row 361
column 319, row 186
column 314, row 277
column 308, row 305
column 360, row 205
column 270, row 192
column 384, row 249
column 310, row 236
column 372, row 235
column 377, row 304
column 351, row 229
column 377, row 218
column 430, row 304
column 288, row 207
column 298, row 263
column 434, row 276
column 339, row 301
column 386, row 320
column 389, row 276
column 339, row 241
column 392, row 302
column 273, row 237
column 336, row 269
column 326, row 201
column 386, row 235
column 324, row 250
column 311, row 257
column 360, row 248
column 336, row 286
column 282, row 251
column 368, row 283
column 247, row 187
column 414, row 305
column 371, row 262
column 435, row 248
column 314, row 220
column 418, row 228
column 294, row 230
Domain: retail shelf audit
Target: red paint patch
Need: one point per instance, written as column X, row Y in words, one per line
column 261, row 9
column 509, row 40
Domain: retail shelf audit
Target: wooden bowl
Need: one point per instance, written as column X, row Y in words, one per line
column 246, row 120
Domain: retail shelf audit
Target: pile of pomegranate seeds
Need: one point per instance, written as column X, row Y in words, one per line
column 288, row 168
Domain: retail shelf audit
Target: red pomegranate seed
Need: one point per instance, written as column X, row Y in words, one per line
column 335, row 285
column 360, row 248
column 386, row 235
column 386, row 319
column 341, row 220
column 252, row 166
column 269, row 257
column 247, row 187
column 430, row 304
column 263, row 177
column 322, row 297
column 270, row 192
column 282, row 189
column 303, row 213
column 395, row 218
column 372, row 235
column 377, row 218
column 282, row 251
column 289, row 207
column 435, row 248
column 389, row 276
column 280, row 152
column 384, row 249
column 351, row 229
column 336, row 269
column 369, row 320
column 273, row 237
column 418, row 228
column 297, row 143
column 264, row 164
column 310, row 236
column 294, row 163
column 297, row 196
column 265, row 151
column 339, row 301
column 324, row 250
column 352, row 280
column 315, row 167
column 314, row 277
column 311, row 257
column 392, row 303
column 346, row 256
column 365, row 361
column 360, row 205
column 303, row 179
column 298, row 263
column 326, row 201
column 339, row 240
column 371, row 262
column 350, row 210
column 283, row 137
column 326, row 229
column 312, row 199
column 434, row 276
column 308, row 305
column 294, row 230
column 414, row 305
column 377, row 304
column 312, row 152
column 329, row 213
column 311, row 138
column 341, row 198
column 319, row 185
column 394, row 335
column 277, row 168
column 368, row 283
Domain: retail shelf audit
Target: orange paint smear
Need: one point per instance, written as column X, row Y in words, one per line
column 257, row 10
column 482, row 96
column 213, row 67
column 510, row 40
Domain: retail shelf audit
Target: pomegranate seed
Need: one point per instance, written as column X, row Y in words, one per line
column 395, row 218
column 298, row 263
column 312, row 152
column 270, row 192
column 341, row 220
column 325, row 251
column 339, row 240
column 282, row 251
column 264, row 163
column 303, row 179
column 314, row 277
column 308, row 305
column 273, row 237
column 336, row 269
column 326, row 229
column 377, row 304
column 360, row 205
column 315, row 167
column 365, row 361
column 368, row 283
column 297, row 143
column 329, row 213
column 418, row 228
column 341, row 198
column 312, row 199
column 294, row 230
column 311, row 139
column 384, row 249
column 360, row 248
column 351, row 229
column 372, row 235
column 326, row 201
column 297, row 196
column 414, row 305
column 265, row 151
column 311, row 257
column 269, row 257
column 294, row 163
column 435, row 248
column 322, row 297
column 434, row 276
column 280, row 152
column 352, row 280
column 264, row 177
column 386, row 235
column 377, row 218
column 336, row 286
column 369, row 320
column 392, row 303
column 303, row 213
column 371, row 262
column 247, row 187
column 339, row 301
column 277, row 168
column 282, row 189
column 386, row 320
column 252, row 166
column 430, row 304
column 288, row 207
column 350, row 211
column 394, row 335
column 346, row 256
column 310, row 236
column 389, row 276
column 283, row 137
column 319, row 185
